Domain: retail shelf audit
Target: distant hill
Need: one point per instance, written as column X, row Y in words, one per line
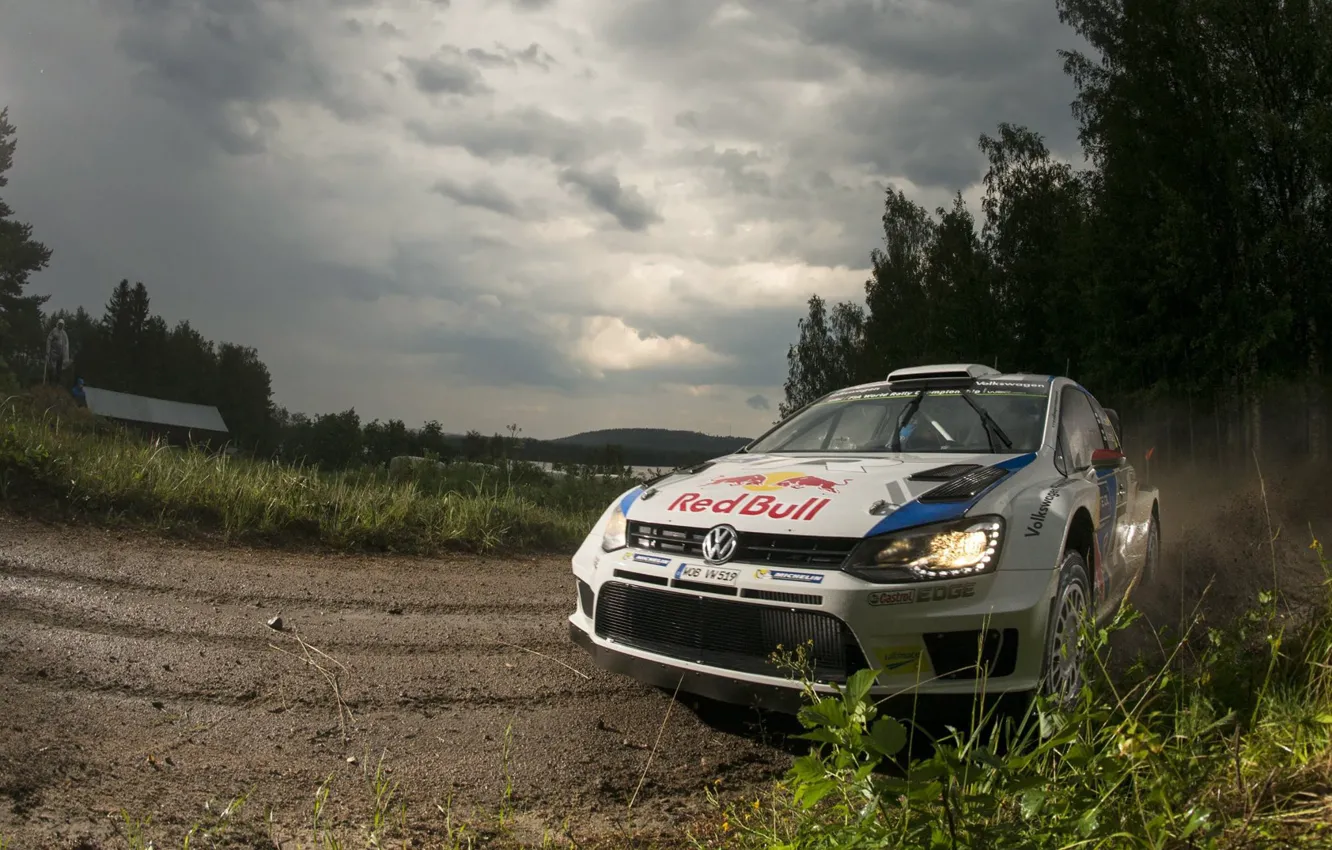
column 655, row 440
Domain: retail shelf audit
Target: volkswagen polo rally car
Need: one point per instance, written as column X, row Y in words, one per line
column 947, row 525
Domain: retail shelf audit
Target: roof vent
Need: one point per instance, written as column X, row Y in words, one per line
column 946, row 371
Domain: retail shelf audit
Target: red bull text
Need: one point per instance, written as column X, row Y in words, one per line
column 750, row 506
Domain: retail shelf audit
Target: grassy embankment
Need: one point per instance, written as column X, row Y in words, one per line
column 1224, row 743
column 55, row 461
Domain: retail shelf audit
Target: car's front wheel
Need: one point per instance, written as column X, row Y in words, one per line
column 1065, row 648
column 1151, row 559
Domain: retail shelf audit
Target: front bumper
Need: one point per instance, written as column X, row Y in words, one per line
column 926, row 638
column 711, row 684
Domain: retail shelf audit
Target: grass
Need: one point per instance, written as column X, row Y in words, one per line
column 1224, row 742
column 1227, row 744
column 55, row 459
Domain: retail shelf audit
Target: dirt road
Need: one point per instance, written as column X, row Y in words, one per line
column 143, row 676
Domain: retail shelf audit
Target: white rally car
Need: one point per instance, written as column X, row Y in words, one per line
column 947, row 525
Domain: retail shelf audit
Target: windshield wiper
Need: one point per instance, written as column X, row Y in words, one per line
column 989, row 422
column 895, row 445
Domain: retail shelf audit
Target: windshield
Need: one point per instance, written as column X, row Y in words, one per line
column 990, row 418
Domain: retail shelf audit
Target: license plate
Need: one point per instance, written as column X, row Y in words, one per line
column 709, row 575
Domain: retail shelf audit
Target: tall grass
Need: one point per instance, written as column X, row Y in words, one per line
column 1227, row 744
column 60, row 460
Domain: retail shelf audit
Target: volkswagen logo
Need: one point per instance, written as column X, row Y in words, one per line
column 719, row 544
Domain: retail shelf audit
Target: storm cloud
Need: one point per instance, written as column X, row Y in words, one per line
column 566, row 213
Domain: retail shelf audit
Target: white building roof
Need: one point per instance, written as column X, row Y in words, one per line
column 157, row 411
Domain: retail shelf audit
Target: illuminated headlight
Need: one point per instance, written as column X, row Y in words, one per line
column 617, row 527
column 954, row 549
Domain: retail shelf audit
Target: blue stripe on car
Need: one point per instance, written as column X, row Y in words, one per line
column 916, row 512
column 629, row 499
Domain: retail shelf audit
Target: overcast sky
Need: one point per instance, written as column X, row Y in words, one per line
column 566, row 214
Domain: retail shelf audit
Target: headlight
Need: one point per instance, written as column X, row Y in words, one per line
column 965, row 547
column 617, row 527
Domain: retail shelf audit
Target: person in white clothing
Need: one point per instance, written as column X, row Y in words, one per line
column 57, row 352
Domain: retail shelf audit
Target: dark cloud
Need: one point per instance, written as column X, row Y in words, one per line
column 532, row 5
column 929, row 77
column 738, row 172
column 662, row 27
column 696, row 45
column 603, row 190
column 480, row 193
column 446, row 73
column 489, row 59
column 756, row 340
column 532, row 132
column 790, row 115
column 511, row 354
column 979, row 40
column 222, row 60
column 506, row 57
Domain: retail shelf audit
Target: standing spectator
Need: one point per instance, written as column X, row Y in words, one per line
column 57, row 353
column 80, row 397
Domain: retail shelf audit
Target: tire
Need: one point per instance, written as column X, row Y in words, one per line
column 1061, row 668
column 1151, row 559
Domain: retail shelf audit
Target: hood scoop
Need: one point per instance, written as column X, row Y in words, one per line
column 966, row 486
column 944, row 473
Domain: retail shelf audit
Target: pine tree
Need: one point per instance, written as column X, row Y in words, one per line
column 21, row 256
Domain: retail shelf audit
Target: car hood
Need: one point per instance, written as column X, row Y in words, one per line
column 818, row 496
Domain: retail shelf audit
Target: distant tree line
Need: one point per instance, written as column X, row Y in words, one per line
column 129, row 349
column 1186, row 274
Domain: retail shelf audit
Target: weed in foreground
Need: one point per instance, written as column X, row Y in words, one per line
column 1228, row 748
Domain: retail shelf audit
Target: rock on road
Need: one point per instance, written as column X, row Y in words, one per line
column 141, row 674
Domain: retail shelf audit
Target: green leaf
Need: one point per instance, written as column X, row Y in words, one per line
column 887, row 737
column 823, row 736
column 806, row 769
column 816, row 791
column 1033, row 802
column 858, row 686
column 1087, row 823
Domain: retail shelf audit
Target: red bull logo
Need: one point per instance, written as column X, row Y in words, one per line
column 778, row 481
column 747, row 505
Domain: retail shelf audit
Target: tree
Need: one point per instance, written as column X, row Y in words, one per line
column 897, row 304
column 959, row 280
column 245, row 397
column 829, row 355
column 335, row 439
column 21, row 256
column 1035, row 226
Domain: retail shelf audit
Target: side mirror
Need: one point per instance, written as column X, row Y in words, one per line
column 1114, row 421
column 1107, row 458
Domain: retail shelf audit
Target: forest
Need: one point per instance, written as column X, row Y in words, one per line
column 1183, row 275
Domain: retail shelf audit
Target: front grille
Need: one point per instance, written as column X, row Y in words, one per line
column 777, row 550
column 781, row 596
column 723, row 633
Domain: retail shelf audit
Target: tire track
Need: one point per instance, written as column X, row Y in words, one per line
column 115, row 653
